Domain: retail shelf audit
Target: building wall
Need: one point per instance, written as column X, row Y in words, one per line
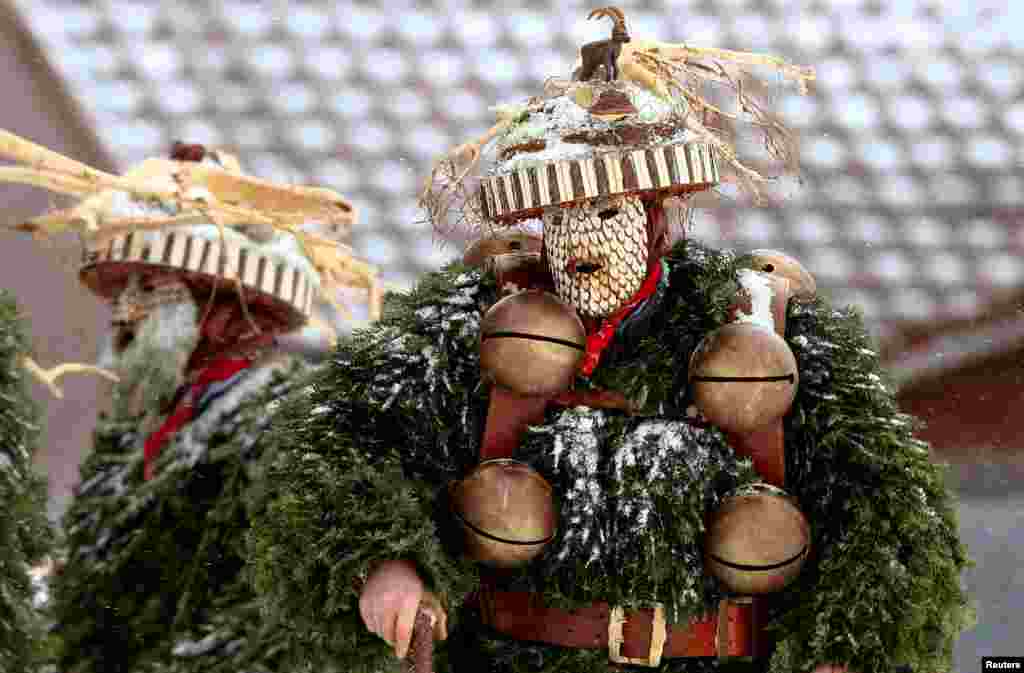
column 973, row 414
column 65, row 320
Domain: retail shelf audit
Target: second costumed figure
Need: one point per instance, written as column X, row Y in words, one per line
column 600, row 448
column 213, row 277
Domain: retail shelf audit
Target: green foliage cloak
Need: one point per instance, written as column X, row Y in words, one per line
column 26, row 536
column 155, row 577
column 359, row 467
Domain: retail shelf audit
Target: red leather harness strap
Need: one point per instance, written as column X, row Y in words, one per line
column 732, row 632
column 508, row 416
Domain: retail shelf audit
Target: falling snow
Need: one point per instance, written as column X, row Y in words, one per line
column 427, row 313
column 192, row 648
column 561, row 115
column 760, row 291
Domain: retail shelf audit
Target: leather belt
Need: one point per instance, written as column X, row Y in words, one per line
column 638, row 638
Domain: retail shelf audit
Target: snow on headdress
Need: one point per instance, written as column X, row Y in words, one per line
column 635, row 119
column 278, row 245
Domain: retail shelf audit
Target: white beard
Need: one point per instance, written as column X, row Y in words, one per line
column 153, row 366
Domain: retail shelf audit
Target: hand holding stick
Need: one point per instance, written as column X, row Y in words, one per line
column 395, row 606
column 421, row 654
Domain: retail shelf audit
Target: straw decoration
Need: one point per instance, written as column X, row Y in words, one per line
column 195, row 193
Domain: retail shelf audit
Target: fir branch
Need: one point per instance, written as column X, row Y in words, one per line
column 26, row 536
column 363, row 454
column 886, row 590
column 156, row 568
column 359, row 457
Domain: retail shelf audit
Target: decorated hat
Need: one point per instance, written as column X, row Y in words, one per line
column 634, row 120
column 279, row 246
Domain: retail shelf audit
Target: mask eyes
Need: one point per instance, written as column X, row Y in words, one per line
column 124, row 339
column 608, row 213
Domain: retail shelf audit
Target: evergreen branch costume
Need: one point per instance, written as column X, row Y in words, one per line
column 154, row 579
column 362, row 460
column 591, row 447
column 210, row 273
column 26, row 536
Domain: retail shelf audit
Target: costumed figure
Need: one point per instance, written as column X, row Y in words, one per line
column 593, row 449
column 218, row 282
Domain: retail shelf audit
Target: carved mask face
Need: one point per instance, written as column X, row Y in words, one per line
column 597, row 253
column 141, row 296
column 156, row 329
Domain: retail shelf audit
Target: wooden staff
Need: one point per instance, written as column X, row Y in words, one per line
column 421, row 651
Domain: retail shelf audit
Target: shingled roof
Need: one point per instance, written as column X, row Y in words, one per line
column 914, row 135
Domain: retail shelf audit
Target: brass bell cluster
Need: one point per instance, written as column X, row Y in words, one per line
column 744, row 377
column 531, row 345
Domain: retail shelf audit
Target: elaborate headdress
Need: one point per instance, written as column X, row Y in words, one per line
column 636, row 120
column 277, row 246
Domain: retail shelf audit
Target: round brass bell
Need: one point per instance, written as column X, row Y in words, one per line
column 531, row 342
column 743, row 376
column 506, row 510
column 780, row 264
column 757, row 541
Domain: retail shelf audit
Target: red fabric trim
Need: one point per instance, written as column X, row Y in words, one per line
column 183, row 413
column 599, row 340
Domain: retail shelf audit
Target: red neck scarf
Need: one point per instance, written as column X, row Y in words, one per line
column 218, row 370
column 599, row 340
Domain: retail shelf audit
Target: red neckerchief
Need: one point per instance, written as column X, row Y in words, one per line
column 219, row 370
column 602, row 338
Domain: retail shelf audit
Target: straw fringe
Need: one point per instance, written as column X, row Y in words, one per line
column 444, row 190
column 49, row 377
column 678, row 70
column 667, row 70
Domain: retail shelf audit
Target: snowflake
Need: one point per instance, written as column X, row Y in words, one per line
column 427, row 313
column 760, row 291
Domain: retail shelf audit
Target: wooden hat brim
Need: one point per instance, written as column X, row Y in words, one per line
column 666, row 169
column 281, row 288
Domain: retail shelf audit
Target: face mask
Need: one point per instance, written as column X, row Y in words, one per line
column 144, row 293
column 156, row 329
column 597, row 253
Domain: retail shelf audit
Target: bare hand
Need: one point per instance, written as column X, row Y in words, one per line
column 389, row 602
column 830, row 668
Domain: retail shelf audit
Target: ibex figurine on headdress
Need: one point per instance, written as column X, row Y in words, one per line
column 605, row 52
